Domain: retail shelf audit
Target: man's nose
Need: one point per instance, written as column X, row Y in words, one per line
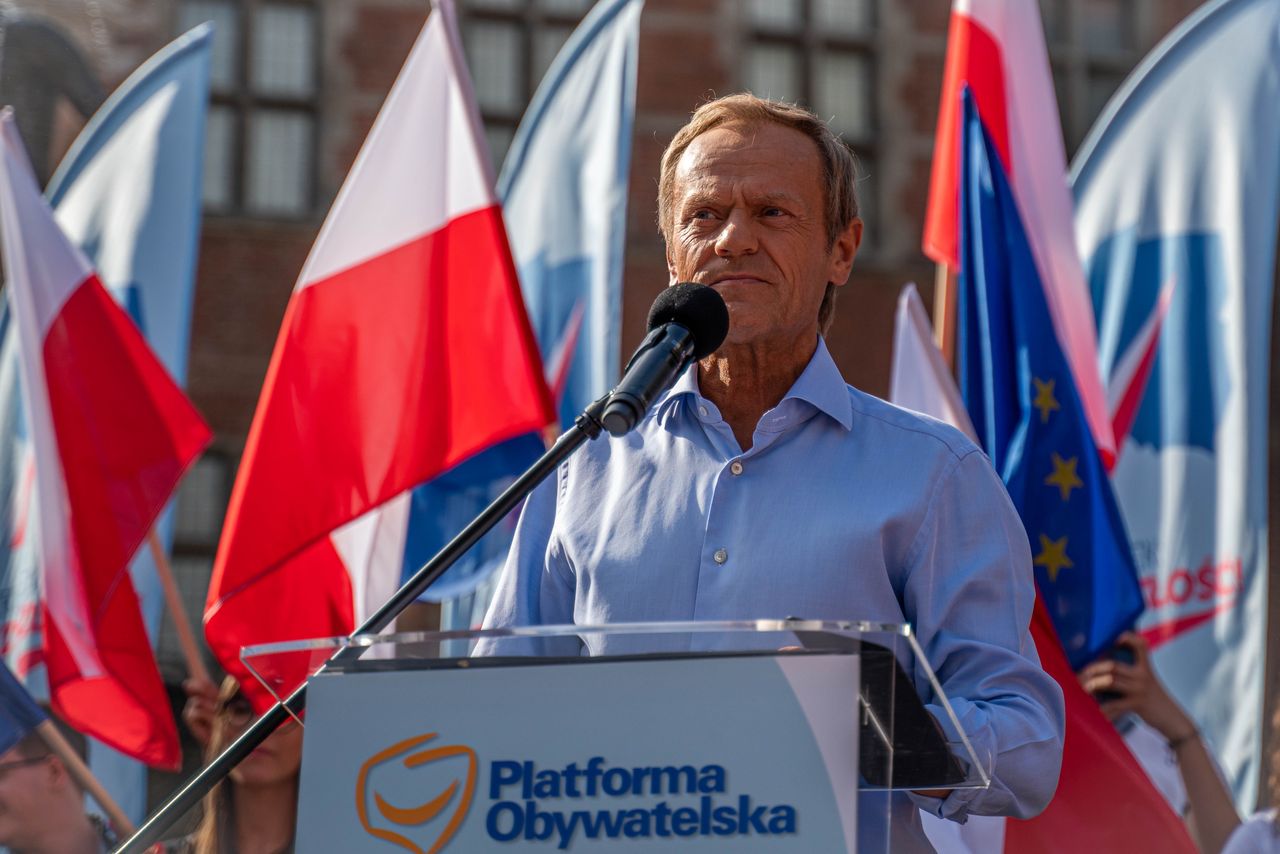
column 737, row 237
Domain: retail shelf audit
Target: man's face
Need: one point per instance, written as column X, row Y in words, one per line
column 748, row 219
column 26, row 788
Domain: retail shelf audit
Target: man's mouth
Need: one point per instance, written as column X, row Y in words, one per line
column 735, row 279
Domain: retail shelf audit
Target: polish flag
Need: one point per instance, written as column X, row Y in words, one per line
column 112, row 437
column 997, row 48
column 404, row 350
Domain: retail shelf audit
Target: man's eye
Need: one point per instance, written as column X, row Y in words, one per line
column 774, row 212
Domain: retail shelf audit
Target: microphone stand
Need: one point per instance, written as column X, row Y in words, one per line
column 587, row 426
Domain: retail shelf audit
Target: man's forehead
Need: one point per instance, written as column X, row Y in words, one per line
column 767, row 156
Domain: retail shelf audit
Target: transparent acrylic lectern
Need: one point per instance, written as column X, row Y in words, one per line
column 789, row 735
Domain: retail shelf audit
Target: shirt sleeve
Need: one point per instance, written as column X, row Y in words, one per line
column 969, row 592
column 536, row 584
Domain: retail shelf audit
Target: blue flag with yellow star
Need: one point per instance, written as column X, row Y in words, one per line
column 1019, row 391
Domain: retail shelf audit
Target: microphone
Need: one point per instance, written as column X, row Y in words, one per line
column 687, row 322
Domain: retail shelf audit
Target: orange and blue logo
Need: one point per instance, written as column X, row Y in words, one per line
column 399, row 824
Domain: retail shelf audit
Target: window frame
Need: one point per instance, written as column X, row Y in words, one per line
column 811, row 44
column 243, row 101
column 1074, row 64
column 529, row 19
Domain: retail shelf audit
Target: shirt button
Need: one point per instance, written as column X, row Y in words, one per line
column 720, row 556
column 735, row 467
column 702, row 410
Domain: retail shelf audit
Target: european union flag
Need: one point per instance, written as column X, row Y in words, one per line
column 19, row 714
column 1021, row 397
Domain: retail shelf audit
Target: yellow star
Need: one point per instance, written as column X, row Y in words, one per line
column 1045, row 401
column 1053, row 556
column 1064, row 476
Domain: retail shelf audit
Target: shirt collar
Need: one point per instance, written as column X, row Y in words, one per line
column 820, row 385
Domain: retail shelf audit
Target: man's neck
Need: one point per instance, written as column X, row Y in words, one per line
column 745, row 381
column 265, row 817
column 74, row 835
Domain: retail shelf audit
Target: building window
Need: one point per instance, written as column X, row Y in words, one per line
column 510, row 44
column 820, row 54
column 1093, row 45
column 261, row 145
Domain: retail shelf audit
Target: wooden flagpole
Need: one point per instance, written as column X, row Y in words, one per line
column 186, row 637
column 944, row 313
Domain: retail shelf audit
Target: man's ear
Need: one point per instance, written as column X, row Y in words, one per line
column 56, row 773
column 671, row 268
column 843, row 251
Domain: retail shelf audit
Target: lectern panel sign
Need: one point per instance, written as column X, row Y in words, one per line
column 605, row 755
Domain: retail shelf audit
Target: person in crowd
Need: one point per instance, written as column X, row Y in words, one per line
column 253, row 811
column 1166, row 742
column 762, row 485
column 42, row 806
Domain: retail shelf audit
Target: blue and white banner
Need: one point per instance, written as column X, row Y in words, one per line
column 564, row 196
column 1177, row 190
column 128, row 193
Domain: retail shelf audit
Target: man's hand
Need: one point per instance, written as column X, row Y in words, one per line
column 1140, row 691
column 202, row 704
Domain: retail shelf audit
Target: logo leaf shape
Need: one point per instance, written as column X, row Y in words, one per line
column 414, row 816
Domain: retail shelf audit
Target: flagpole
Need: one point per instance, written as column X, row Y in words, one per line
column 944, row 312
column 83, row 776
column 181, row 622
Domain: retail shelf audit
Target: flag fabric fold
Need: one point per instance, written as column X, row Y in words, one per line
column 128, row 193
column 1022, row 400
column 997, row 49
column 112, row 436
column 564, row 194
column 563, row 188
column 403, row 352
column 1177, row 210
column 920, row 379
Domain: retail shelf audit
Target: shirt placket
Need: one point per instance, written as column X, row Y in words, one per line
column 722, row 546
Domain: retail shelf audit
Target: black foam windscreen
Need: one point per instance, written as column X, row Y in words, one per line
column 697, row 308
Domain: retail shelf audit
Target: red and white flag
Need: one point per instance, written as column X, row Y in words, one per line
column 112, row 435
column 404, row 350
column 996, row 48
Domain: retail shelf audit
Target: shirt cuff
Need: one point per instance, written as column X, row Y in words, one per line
column 954, row 807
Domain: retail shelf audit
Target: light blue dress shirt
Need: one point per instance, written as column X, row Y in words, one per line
column 844, row 508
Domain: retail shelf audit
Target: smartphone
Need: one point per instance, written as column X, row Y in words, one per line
column 1123, row 654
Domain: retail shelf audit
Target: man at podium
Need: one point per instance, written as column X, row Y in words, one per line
column 761, row 485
